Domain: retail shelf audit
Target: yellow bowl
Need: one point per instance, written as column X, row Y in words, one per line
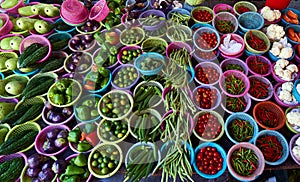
column 260, row 35
column 198, row 8
column 288, row 125
column 8, row 55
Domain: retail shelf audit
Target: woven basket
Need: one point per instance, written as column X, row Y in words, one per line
column 294, row 129
column 194, row 2
column 264, row 80
column 14, row 77
column 5, row 158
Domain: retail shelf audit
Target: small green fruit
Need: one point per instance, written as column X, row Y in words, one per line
column 51, row 11
column 2, row 63
column 15, row 42
column 42, row 26
column 11, row 63
column 14, row 87
column 25, row 11
column 5, row 43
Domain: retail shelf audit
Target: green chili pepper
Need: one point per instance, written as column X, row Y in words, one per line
column 74, row 170
column 59, row 99
column 74, row 135
column 83, row 146
column 80, row 160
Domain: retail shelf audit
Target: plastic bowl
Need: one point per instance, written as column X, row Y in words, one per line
column 149, row 55
column 119, row 68
column 199, row 32
column 260, row 35
column 74, row 11
column 99, row 11
column 78, row 29
column 103, row 89
column 247, row 4
column 177, row 45
column 131, row 48
column 14, row 9
column 99, row 148
column 141, row 32
column 208, row 65
column 260, row 166
column 235, row 37
column 272, row 107
column 158, row 14
column 291, row 146
column 13, row 77
column 7, row 55
column 266, row 81
column 225, row 16
column 276, row 58
column 82, row 99
column 277, row 89
column 213, row 107
column 296, row 94
column 220, row 150
column 250, row 21
column 223, row 104
column 155, row 83
column 36, row 39
column 182, row 28
column 196, row 26
column 250, row 60
column 238, row 74
column 154, row 41
column 178, row 11
column 272, row 22
column 279, row 79
column 87, row 49
column 290, row 126
column 7, row 25
column 123, row 92
column 223, row 7
column 296, row 28
column 234, row 61
column 147, row 3
column 235, row 56
column 5, row 158
column 281, row 139
column 202, row 8
column 44, row 117
column 220, row 120
column 241, row 116
column 10, row 35
column 111, row 67
column 59, row 36
column 71, row 29
column 85, row 58
column 283, row 12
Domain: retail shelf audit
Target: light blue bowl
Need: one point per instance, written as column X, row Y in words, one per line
column 248, row 53
column 192, row 73
column 191, row 150
column 242, row 116
column 296, row 94
column 79, row 102
column 31, row 73
column 199, row 25
column 59, row 36
column 285, row 23
column 1, row 76
column 250, row 20
column 142, row 57
column 297, row 29
column 147, row 3
column 281, row 139
column 71, row 31
column 275, row 58
column 105, row 87
column 220, row 150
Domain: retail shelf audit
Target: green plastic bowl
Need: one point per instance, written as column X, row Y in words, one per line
column 260, row 35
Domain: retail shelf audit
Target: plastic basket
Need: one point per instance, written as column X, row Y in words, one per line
column 250, row 20
column 277, row 89
column 82, row 99
column 291, row 146
column 212, row 88
column 7, row 55
column 82, row 60
column 123, row 92
column 283, row 142
column 238, row 39
column 199, row 8
column 238, row 74
column 220, row 150
column 131, row 48
column 291, row 127
column 196, row 26
column 171, row 32
column 234, row 61
column 225, row 16
column 9, row 35
column 14, row 10
column 99, row 11
column 70, row 31
column 223, row 105
column 272, row 107
column 260, row 166
column 220, row 120
column 74, row 11
column 280, row 80
column 140, row 30
column 19, row 128
column 207, row 65
column 272, row 22
column 60, row 36
column 177, row 45
column 247, row 4
column 114, row 73
column 149, row 83
column 104, row 146
column 89, row 49
column 5, row 158
column 199, row 32
column 262, row 58
column 14, row 77
column 103, row 89
column 283, row 12
column 156, row 41
column 266, row 81
column 41, row 137
column 241, row 116
column 78, row 29
column 36, row 39
column 297, row 29
column 223, row 7
column 159, row 14
column 111, row 67
column 276, row 58
column 261, row 36
column 296, row 94
column 44, row 117
column 151, row 55
column 178, row 11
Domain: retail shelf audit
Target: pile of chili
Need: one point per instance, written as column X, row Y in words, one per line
column 242, row 9
column 241, row 130
column 244, row 161
column 234, row 85
column 270, row 147
column 256, row 43
column 258, row 89
column 225, row 26
column 267, row 117
column 234, row 67
column 258, row 66
column 236, row 104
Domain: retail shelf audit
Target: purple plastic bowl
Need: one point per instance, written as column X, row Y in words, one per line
column 270, row 89
column 236, row 62
column 264, row 59
column 9, row 35
column 41, row 137
column 117, row 70
column 238, row 39
column 247, row 98
column 7, row 26
column 127, row 48
column 191, row 120
column 4, row 158
column 239, row 75
column 278, row 79
column 278, row 101
column 157, row 13
column 54, row 124
column 9, row 100
column 297, row 54
column 219, row 7
column 217, row 104
column 177, row 45
column 291, row 145
column 205, row 65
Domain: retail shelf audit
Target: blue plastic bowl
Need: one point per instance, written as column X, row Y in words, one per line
column 240, row 32
column 296, row 94
column 275, row 58
column 223, row 154
column 285, row 23
column 192, row 73
column 142, row 57
column 250, row 20
column 281, row 139
column 199, row 25
column 248, row 53
column 178, row 10
column 105, row 87
column 297, row 29
column 2, row 76
column 147, row 3
column 83, row 99
column 71, row 31
column 242, row 116
column 188, row 146
column 31, row 73
column 59, row 36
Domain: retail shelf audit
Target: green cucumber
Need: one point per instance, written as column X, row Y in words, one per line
column 37, row 55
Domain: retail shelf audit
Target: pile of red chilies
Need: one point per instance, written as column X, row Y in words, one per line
column 256, row 43
column 258, row 89
column 270, row 147
column 267, row 117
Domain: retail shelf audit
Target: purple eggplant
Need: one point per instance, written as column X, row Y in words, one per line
column 35, row 160
column 63, row 134
column 52, row 134
column 36, row 180
column 57, row 118
column 60, row 142
column 59, row 166
column 67, row 111
column 32, row 172
column 49, row 147
column 47, row 164
column 46, row 175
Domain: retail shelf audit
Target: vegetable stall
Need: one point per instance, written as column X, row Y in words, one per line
column 126, row 90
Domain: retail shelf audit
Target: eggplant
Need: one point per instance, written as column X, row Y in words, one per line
column 47, row 164
column 46, row 175
column 36, row 180
column 59, row 166
column 52, row 134
column 49, row 106
column 72, row 66
column 35, row 160
column 63, row 134
column 50, row 115
column 49, row 146
column 60, row 143
column 67, row 111
column 57, row 118
column 32, row 172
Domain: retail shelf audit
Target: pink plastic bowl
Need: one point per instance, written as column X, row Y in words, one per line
column 14, row 10
column 291, row 145
column 41, row 137
column 9, row 35
column 8, row 25
column 235, row 37
column 219, row 7
column 99, row 11
column 36, row 39
column 74, row 11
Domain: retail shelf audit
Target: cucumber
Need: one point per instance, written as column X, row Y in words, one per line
column 60, row 44
column 34, row 83
column 28, row 51
column 30, row 114
column 11, row 169
column 15, row 115
column 53, row 65
column 39, row 89
column 37, row 55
